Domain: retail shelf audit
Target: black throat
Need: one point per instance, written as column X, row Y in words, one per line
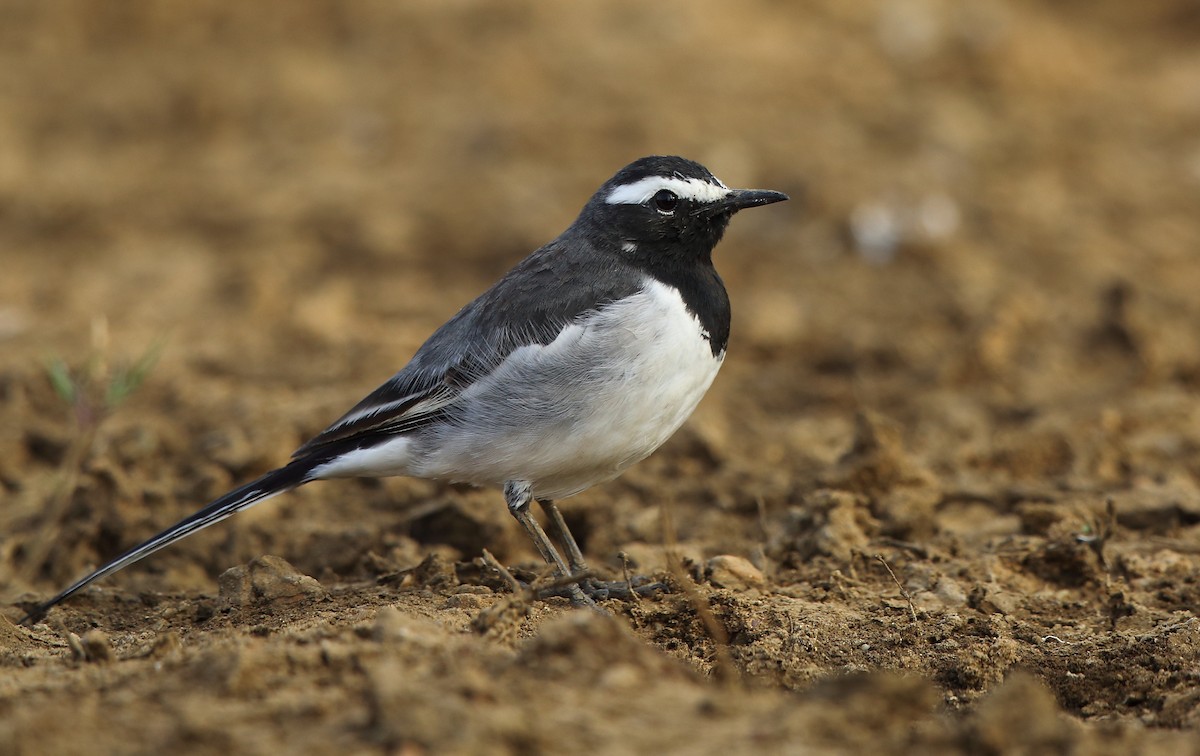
column 689, row 269
column 683, row 263
column 705, row 297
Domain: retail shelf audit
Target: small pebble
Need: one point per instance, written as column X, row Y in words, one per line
column 266, row 579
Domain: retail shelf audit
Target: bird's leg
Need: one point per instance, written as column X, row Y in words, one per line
column 597, row 590
column 519, row 495
column 558, row 527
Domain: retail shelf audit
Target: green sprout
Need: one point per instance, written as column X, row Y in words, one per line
column 98, row 387
column 93, row 391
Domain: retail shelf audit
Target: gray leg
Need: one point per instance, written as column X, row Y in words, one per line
column 558, row 526
column 596, row 590
column 519, row 495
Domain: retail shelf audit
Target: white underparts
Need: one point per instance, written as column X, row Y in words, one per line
column 642, row 190
column 609, row 390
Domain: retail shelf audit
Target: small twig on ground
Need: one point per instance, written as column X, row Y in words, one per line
column 725, row 669
column 500, row 619
column 627, row 576
column 907, row 597
column 514, row 585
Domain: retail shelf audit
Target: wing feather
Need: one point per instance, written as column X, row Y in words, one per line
column 543, row 294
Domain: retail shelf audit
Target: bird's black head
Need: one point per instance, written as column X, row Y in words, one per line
column 667, row 209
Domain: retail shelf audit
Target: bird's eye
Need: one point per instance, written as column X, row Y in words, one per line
column 665, row 201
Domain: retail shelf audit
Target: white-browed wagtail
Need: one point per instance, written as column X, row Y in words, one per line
column 579, row 362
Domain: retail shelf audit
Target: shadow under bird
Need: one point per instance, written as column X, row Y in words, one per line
column 582, row 360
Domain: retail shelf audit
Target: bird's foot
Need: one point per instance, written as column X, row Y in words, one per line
column 588, row 590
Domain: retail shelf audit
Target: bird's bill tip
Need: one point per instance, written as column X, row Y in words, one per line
column 740, row 199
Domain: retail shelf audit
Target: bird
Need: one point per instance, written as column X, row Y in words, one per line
column 580, row 361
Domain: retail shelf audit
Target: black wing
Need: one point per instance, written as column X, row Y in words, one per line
column 530, row 305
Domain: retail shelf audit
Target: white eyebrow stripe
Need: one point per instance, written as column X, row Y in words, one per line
column 642, row 190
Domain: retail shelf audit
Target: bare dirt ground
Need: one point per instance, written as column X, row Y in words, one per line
column 944, row 497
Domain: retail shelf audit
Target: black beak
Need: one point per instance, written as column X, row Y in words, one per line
column 740, row 199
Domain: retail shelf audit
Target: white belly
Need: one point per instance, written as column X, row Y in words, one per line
column 579, row 410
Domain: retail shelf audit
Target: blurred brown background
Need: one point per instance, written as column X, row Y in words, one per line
column 992, row 252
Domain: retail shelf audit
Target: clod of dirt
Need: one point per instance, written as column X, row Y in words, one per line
column 903, row 493
column 1066, row 562
column 734, row 572
column 1038, row 518
column 14, row 640
column 993, row 600
column 877, row 461
column 434, row 572
column 1033, row 455
column 865, row 710
column 96, row 647
column 502, row 620
column 1158, row 509
column 393, row 626
column 267, row 579
column 583, row 645
column 829, row 523
column 933, row 592
column 1020, row 716
column 166, row 645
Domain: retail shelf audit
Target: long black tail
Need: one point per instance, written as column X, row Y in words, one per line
column 273, row 483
